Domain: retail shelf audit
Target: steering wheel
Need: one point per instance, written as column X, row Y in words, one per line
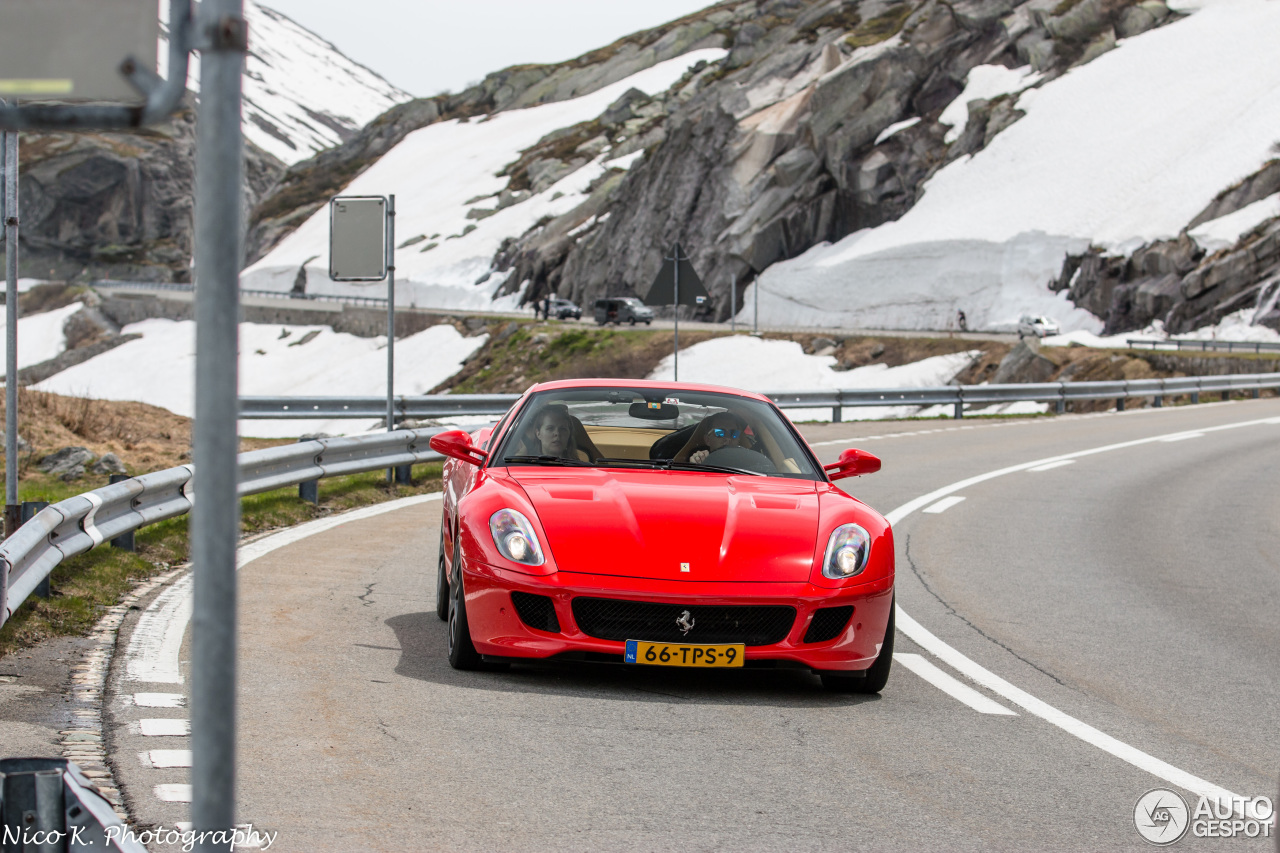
column 741, row 457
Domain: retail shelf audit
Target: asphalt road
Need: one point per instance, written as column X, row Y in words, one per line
column 1131, row 592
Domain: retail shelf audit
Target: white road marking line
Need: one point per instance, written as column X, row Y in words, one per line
column 951, row 686
column 1184, row 436
column 159, row 700
column 161, row 758
column 944, row 504
column 152, row 655
column 1050, row 466
column 924, row 638
column 167, row 727
column 173, row 793
column 154, row 648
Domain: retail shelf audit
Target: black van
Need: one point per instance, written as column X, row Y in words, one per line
column 622, row 309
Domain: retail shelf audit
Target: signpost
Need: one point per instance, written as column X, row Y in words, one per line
column 362, row 241
column 677, row 284
column 9, row 218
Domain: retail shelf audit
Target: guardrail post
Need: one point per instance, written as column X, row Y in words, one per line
column 29, row 510
column 1256, row 393
column 1158, row 402
column 1060, row 407
column 1226, row 395
column 125, row 540
column 310, row 490
column 32, row 802
column 404, row 473
column 1119, row 404
column 1195, row 397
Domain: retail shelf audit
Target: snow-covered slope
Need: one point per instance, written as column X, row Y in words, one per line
column 437, row 173
column 1125, row 149
column 301, row 94
column 274, row 360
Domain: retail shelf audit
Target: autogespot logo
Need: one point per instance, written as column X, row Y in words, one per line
column 1161, row 816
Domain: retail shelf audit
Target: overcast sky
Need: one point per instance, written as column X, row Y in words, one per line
column 428, row 46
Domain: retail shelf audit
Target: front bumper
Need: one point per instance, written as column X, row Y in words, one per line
column 497, row 630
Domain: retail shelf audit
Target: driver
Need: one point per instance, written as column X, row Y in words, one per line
column 723, row 429
column 554, row 433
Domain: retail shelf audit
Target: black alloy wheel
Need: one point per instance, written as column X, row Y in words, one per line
column 462, row 652
column 442, row 580
column 877, row 674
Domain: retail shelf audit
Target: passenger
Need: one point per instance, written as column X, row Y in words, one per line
column 723, row 429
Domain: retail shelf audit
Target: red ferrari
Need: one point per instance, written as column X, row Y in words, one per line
column 663, row 524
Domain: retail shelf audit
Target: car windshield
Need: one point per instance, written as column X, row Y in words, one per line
column 655, row 428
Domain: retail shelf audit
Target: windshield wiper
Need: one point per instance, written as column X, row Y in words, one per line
column 699, row 466
column 545, row 460
column 671, row 464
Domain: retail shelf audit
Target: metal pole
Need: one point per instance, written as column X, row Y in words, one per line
column 215, row 516
column 676, row 356
column 755, row 291
column 733, row 303
column 12, row 508
column 391, row 312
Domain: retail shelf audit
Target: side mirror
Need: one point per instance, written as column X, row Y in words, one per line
column 456, row 444
column 852, row 463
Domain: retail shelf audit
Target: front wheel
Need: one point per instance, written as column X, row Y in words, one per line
column 877, row 675
column 442, row 583
column 462, row 652
column 647, row 322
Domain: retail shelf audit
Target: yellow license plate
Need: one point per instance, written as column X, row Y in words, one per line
column 679, row 654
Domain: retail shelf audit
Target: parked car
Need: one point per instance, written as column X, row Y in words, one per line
column 563, row 309
column 622, row 309
column 1037, row 326
column 660, row 524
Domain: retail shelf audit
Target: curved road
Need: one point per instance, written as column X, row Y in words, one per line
column 1132, row 592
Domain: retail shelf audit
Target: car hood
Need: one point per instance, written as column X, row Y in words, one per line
column 650, row 524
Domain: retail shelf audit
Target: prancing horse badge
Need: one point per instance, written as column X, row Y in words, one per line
column 684, row 567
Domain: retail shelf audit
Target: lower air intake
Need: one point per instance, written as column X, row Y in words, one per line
column 828, row 623
column 536, row 611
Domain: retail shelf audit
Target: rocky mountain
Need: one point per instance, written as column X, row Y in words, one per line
column 823, row 121
column 119, row 205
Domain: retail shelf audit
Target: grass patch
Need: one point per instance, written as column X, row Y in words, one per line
column 82, row 587
column 880, row 28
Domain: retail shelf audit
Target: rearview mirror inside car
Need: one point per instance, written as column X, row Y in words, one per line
column 852, row 463
column 653, row 411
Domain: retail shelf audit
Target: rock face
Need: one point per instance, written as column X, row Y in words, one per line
column 117, row 205
column 1181, row 284
column 1024, row 364
column 800, row 135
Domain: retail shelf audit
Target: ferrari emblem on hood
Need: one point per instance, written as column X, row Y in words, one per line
column 685, row 622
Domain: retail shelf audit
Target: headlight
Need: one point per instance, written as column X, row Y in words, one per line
column 514, row 536
column 848, row 551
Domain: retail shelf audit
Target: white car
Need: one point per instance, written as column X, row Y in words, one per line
column 1036, row 326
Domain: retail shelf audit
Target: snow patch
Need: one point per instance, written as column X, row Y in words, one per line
column 1225, row 231
column 742, row 361
column 984, row 83
column 40, row 336
column 274, row 361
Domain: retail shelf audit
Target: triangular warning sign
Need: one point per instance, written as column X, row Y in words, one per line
column 663, row 291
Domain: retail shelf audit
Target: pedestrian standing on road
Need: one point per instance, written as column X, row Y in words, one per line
column 961, row 321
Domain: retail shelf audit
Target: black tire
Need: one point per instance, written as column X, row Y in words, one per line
column 877, row 674
column 462, row 652
column 647, row 322
column 442, row 583
column 633, row 321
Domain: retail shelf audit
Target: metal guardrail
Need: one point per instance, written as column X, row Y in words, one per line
column 1204, row 346
column 350, row 299
column 443, row 406
column 48, row 804
column 80, row 523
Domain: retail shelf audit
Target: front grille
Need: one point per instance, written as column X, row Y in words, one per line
column 752, row 625
column 536, row 611
column 827, row 623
